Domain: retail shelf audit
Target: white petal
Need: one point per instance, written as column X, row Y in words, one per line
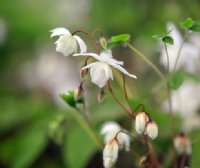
column 59, row 31
column 109, row 127
column 100, row 73
column 81, row 43
column 88, row 54
column 122, row 70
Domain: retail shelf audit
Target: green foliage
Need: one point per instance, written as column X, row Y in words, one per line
column 165, row 37
column 78, row 148
column 168, row 40
column 29, row 146
column 177, row 80
column 187, row 23
column 69, row 98
column 195, row 27
column 191, row 25
column 120, row 38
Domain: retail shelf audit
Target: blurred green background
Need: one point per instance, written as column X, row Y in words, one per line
column 37, row 130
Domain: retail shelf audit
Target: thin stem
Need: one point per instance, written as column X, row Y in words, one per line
column 179, row 51
column 126, row 96
column 147, row 61
column 170, row 107
column 153, row 160
column 86, row 125
column 117, row 101
column 89, row 37
column 183, row 161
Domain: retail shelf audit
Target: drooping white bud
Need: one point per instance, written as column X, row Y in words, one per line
column 141, row 120
column 112, row 130
column 152, row 129
column 183, row 144
column 110, row 153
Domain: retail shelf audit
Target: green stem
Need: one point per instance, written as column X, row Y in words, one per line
column 147, row 61
column 86, row 125
column 179, row 51
column 170, row 107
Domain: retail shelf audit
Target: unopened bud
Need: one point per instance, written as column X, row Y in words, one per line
column 142, row 160
column 101, row 96
column 110, row 153
column 103, row 42
column 183, row 144
column 78, row 92
column 141, row 120
column 152, row 129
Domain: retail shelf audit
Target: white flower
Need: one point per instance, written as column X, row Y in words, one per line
column 101, row 71
column 189, row 53
column 110, row 153
column 141, row 120
column 185, row 103
column 110, row 130
column 185, row 100
column 183, row 144
column 152, row 129
column 68, row 43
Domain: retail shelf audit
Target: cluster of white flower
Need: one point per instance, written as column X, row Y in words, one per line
column 115, row 138
column 100, row 71
column 144, row 125
column 185, row 100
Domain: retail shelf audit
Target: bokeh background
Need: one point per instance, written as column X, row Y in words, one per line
column 36, row 128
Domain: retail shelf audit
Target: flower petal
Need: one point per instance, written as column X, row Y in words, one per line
column 59, row 31
column 81, row 43
column 102, row 58
column 122, row 70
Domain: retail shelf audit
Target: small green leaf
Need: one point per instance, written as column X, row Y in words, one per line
column 177, row 79
column 120, row 38
column 168, row 40
column 195, row 27
column 187, row 23
column 158, row 36
column 69, row 98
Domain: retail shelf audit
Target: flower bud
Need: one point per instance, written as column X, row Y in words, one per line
column 183, row 144
column 140, row 122
column 142, row 160
column 78, row 92
column 110, row 153
column 152, row 129
column 101, row 96
column 103, row 42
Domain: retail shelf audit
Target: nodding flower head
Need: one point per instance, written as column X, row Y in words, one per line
column 152, row 129
column 183, row 144
column 101, row 71
column 141, row 120
column 68, row 43
column 110, row 153
column 112, row 130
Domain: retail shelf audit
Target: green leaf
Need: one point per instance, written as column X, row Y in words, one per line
column 168, row 40
column 120, row 38
column 177, row 79
column 192, row 76
column 187, row 23
column 158, row 36
column 29, row 146
column 78, row 148
column 195, row 27
column 69, row 98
